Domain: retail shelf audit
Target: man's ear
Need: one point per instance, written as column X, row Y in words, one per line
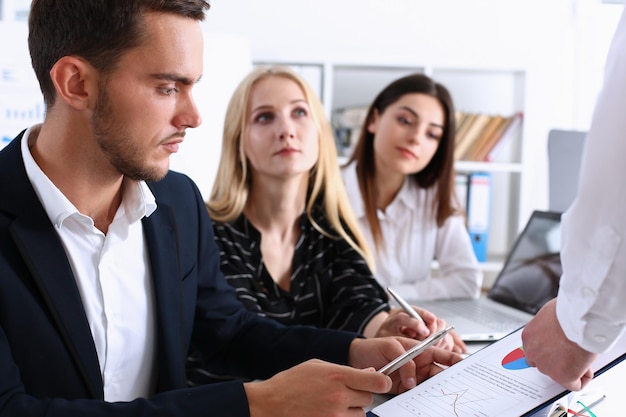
column 75, row 81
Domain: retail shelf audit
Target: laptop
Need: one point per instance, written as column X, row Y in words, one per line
column 528, row 279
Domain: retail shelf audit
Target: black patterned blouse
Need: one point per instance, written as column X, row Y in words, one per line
column 331, row 284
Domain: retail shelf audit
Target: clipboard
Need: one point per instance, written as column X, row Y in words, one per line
column 496, row 381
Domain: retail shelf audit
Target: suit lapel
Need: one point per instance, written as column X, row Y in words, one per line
column 162, row 239
column 45, row 257
column 47, row 262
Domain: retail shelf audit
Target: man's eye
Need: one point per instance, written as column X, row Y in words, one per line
column 168, row 90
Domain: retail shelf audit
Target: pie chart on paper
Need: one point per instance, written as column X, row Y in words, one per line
column 515, row 360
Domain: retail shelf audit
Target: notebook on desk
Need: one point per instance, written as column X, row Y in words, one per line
column 527, row 280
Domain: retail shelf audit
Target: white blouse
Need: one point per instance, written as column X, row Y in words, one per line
column 412, row 241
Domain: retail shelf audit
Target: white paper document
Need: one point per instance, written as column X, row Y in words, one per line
column 493, row 382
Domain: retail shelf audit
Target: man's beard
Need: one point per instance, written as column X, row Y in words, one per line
column 124, row 154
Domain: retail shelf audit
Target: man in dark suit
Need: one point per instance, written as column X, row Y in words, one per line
column 108, row 267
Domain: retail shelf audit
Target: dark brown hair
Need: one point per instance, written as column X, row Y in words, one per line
column 439, row 171
column 100, row 31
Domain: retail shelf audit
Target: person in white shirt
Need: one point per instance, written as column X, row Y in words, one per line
column 589, row 314
column 400, row 181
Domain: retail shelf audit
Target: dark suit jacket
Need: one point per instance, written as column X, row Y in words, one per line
column 48, row 362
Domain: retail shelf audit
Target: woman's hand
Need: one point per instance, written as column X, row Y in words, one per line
column 400, row 323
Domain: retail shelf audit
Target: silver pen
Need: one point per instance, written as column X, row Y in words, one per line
column 414, row 351
column 406, row 306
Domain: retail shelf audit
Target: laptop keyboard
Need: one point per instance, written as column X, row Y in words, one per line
column 485, row 315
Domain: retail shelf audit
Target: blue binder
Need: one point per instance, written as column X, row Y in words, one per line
column 479, row 212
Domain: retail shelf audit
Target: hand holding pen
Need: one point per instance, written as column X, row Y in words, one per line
column 408, row 308
column 428, row 320
column 425, row 326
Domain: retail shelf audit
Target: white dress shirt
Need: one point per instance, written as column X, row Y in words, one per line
column 591, row 304
column 412, row 240
column 114, row 280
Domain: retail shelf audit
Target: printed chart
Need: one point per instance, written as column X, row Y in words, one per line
column 456, row 397
column 493, row 382
column 515, row 360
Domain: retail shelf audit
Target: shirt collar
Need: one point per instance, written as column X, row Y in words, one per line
column 407, row 198
column 408, row 194
column 138, row 200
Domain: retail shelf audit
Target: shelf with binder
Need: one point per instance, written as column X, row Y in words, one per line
column 503, row 209
column 482, row 137
column 478, row 209
column 506, row 174
column 497, row 97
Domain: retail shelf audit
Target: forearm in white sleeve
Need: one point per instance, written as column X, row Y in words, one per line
column 591, row 303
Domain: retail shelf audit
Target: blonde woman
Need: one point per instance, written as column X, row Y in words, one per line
column 288, row 238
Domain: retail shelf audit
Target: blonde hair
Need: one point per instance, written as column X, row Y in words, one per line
column 232, row 183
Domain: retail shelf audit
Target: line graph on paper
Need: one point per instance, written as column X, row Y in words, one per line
column 455, row 397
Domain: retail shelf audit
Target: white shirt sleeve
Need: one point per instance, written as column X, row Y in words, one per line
column 591, row 303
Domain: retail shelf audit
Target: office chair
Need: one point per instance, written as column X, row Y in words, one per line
column 565, row 148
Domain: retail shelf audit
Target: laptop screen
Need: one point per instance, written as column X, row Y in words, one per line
column 531, row 272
